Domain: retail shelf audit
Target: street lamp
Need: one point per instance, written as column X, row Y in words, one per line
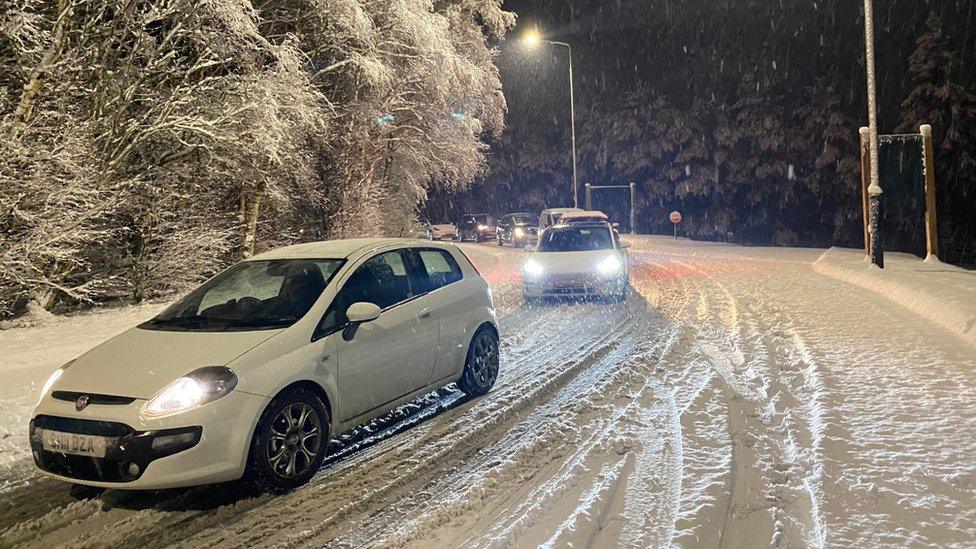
column 532, row 39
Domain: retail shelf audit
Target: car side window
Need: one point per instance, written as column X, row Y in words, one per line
column 382, row 280
column 441, row 267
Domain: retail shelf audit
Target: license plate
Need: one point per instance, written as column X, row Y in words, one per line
column 72, row 443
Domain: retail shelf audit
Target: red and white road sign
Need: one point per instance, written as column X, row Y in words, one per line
column 675, row 217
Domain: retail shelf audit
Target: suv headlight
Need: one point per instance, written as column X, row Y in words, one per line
column 191, row 391
column 533, row 268
column 609, row 265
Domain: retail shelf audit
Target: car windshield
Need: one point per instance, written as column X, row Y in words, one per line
column 576, row 239
column 252, row 295
column 523, row 219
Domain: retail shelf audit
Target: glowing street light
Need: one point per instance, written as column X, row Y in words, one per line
column 533, row 39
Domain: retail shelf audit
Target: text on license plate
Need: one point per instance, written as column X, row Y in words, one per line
column 72, row 443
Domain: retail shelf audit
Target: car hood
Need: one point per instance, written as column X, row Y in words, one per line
column 138, row 363
column 555, row 263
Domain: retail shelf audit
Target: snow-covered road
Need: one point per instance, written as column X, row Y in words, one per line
column 739, row 398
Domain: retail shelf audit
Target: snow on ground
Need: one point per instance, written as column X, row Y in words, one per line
column 739, row 398
column 942, row 293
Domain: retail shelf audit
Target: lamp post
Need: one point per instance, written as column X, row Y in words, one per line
column 533, row 39
column 874, row 189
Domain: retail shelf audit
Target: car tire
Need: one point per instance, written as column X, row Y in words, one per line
column 481, row 364
column 275, row 431
column 499, row 239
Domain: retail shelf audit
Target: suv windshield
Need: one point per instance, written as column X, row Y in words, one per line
column 524, row 219
column 252, row 295
column 576, row 239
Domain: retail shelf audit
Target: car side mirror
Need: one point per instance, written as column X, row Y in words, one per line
column 359, row 313
column 362, row 312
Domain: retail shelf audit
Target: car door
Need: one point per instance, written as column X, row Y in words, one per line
column 392, row 356
column 450, row 302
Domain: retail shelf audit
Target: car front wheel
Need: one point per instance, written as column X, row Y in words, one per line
column 481, row 365
column 290, row 441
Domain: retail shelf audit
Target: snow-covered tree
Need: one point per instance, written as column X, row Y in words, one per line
column 169, row 137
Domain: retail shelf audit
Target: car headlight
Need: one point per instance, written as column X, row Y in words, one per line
column 482, row 227
column 191, row 391
column 519, row 232
column 532, row 267
column 49, row 384
column 609, row 265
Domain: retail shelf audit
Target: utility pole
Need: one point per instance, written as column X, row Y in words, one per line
column 572, row 122
column 533, row 39
column 874, row 189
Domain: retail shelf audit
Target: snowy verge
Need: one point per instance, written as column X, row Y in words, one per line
column 939, row 292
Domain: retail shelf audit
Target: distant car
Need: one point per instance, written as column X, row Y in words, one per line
column 442, row 231
column 476, row 227
column 551, row 216
column 253, row 373
column 517, row 229
column 577, row 260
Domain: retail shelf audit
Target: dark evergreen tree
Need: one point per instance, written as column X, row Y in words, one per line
column 940, row 98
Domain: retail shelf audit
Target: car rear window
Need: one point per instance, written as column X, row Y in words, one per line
column 441, row 267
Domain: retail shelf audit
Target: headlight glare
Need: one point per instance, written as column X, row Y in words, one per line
column 609, row 265
column 482, row 227
column 532, row 267
column 519, row 232
column 192, row 390
column 46, row 388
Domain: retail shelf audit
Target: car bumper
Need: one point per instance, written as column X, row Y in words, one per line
column 575, row 285
column 201, row 446
column 527, row 238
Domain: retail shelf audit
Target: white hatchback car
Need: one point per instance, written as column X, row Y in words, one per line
column 253, row 373
column 584, row 259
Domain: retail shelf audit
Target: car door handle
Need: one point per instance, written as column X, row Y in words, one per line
column 424, row 313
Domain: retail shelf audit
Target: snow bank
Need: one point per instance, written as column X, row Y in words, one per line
column 942, row 293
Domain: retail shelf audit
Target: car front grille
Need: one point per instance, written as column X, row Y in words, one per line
column 72, row 396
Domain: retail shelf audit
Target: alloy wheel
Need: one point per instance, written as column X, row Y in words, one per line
column 294, row 440
column 484, row 365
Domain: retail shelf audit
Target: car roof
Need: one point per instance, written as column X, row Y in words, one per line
column 560, row 210
column 583, row 223
column 329, row 249
column 584, row 215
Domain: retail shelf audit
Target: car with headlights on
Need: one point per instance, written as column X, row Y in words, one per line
column 517, row 229
column 577, row 260
column 252, row 373
column 476, row 227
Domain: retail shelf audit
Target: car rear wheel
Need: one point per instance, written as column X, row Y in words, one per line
column 481, row 365
column 290, row 441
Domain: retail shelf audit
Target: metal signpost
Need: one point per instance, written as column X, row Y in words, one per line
column 675, row 218
column 633, row 214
